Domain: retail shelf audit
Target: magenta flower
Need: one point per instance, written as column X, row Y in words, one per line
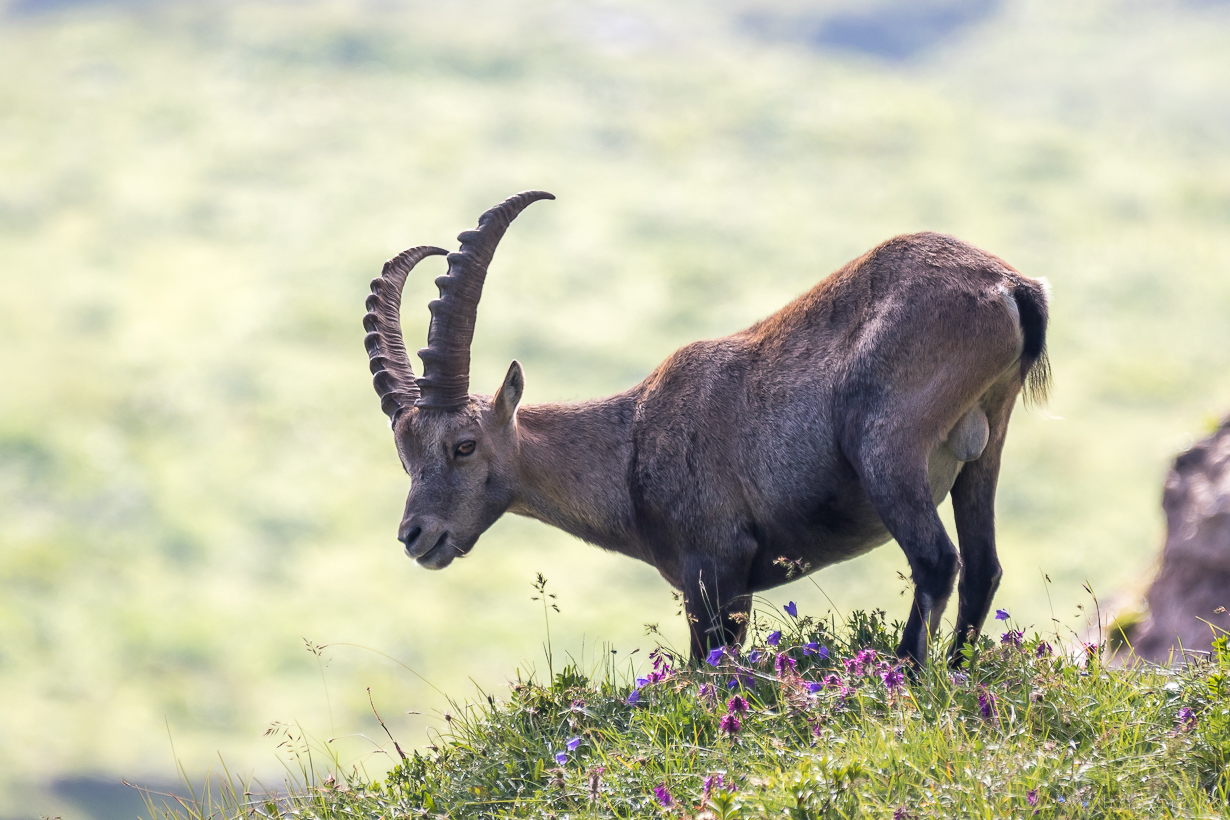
column 1001, row 615
column 784, row 663
column 892, row 677
column 986, row 704
column 833, row 681
column 664, row 797
column 1032, row 797
column 708, row 692
column 729, row 724
column 573, row 743
column 736, row 705
column 774, row 638
column 791, row 610
column 1187, row 718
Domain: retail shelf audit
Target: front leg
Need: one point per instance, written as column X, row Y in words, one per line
column 716, row 601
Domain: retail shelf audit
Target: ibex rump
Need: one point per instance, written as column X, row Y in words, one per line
column 811, row 437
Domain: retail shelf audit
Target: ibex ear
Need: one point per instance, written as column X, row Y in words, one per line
column 509, row 394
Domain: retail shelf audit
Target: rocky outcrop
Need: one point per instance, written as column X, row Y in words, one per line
column 1191, row 593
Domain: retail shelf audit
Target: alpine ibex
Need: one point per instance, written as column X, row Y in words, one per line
column 811, row 437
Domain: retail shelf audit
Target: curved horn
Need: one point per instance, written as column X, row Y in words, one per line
column 445, row 383
column 392, row 375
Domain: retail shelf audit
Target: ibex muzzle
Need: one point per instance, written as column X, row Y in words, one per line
column 813, row 436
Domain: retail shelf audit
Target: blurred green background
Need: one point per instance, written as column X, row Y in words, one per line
column 195, row 476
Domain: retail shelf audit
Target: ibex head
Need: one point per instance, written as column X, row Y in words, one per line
column 459, row 449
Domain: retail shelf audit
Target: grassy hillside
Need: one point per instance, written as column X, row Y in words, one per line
column 194, row 473
column 813, row 722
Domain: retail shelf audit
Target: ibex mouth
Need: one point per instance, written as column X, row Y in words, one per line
column 440, row 555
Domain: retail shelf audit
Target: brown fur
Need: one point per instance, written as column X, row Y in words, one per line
column 811, row 437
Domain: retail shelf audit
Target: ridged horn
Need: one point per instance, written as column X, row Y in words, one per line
column 392, row 375
column 445, row 383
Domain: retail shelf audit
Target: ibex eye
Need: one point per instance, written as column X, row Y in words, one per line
column 465, row 448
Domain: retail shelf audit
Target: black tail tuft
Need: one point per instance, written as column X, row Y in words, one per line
column 1035, row 366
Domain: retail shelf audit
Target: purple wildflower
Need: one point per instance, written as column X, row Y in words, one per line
column 634, row 696
column 1043, row 650
column 573, row 743
column 901, row 813
column 867, row 658
column 754, row 656
column 852, row 666
column 814, row 687
column 729, row 724
column 784, row 664
column 664, row 797
column 986, row 704
column 812, row 648
column 958, row 678
column 823, row 653
column 715, row 656
column 1001, row 615
column 892, row 677
column 1012, row 637
column 736, row 705
column 714, row 782
column 833, row 681
column 1187, row 718
column 642, row 682
column 561, row 758
column 742, row 678
column 1032, row 797
column 774, row 638
column 791, row 610
column 708, row 692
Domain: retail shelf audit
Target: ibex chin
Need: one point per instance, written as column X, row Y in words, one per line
column 809, row 438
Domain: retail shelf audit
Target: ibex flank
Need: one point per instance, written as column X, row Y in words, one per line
column 813, row 436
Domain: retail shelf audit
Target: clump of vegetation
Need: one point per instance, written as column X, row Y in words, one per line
column 817, row 720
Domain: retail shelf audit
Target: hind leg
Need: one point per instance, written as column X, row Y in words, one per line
column 973, row 505
column 896, row 482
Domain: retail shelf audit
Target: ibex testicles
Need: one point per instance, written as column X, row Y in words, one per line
column 811, row 437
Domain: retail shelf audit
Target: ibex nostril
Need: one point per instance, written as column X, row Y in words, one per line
column 412, row 536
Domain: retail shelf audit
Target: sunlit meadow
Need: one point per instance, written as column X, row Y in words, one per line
column 196, row 482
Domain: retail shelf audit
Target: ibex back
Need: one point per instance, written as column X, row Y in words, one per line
column 811, row 437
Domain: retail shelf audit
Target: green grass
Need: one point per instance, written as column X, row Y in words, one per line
column 1023, row 731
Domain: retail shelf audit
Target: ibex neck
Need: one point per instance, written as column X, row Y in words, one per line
column 575, row 461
